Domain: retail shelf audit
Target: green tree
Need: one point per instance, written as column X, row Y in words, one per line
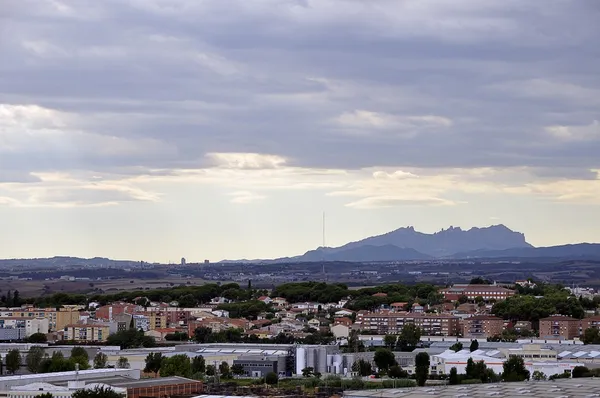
column 177, row 365
column 237, row 369
column 384, row 359
column 396, row 372
column 177, row 336
column 514, row 369
column 130, row 338
column 390, row 340
column 453, row 377
column 456, row 347
column 463, row 299
column 100, row 360
column 123, row 363
column 422, row 368
column 153, row 363
column 474, row 345
column 271, row 378
column 580, row 371
column 224, row 370
column 409, row 337
column 37, row 338
column 309, row 371
column 591, row 336
column 45, row 395
column 470, row 369
column 98, row 392
column 79, row 352
column 211, row 370
column 34, row 358
column 13, row 361
column 202, row 334
column 362, row 367
column 198, row 364
column 80, row 362
column 539, row 376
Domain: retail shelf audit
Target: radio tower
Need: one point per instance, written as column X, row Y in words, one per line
column 323, row 248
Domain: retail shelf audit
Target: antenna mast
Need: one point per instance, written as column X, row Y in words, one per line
column 323, row 247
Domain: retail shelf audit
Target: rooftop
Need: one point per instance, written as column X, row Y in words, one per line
column 572, row 388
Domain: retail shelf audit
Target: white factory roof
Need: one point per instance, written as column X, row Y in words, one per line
column 39, row 387
column 464, row 355
column 44, row 376
column 571, row 388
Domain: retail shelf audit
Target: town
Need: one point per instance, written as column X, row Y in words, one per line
column 224, row 338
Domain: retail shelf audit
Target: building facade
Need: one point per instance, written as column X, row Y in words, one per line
column 391, row 323
column 87, row 332
column 487, row 292
column 482, row 326
column 559, row 327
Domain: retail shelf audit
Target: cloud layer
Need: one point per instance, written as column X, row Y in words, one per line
column 385, row 104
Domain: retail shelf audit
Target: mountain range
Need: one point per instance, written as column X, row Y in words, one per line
column 496, row 241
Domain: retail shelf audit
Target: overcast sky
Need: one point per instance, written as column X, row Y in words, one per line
column 209, row 129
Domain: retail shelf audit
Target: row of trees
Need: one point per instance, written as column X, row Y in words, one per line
column 37, row 361
column 456, row 347
column 181, row 365
column 11, row 299
column 234, row 335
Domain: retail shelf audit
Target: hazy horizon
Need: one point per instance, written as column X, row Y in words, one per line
column 223, row 129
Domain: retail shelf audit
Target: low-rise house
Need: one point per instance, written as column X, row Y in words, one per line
column 159, row 334
column 399, row 306
column 280, row 302
column 340, row 331
column 343, row 313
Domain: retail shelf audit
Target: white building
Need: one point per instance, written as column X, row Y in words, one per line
column 7, row 382
column 34, row 389
column 37, row 325
column 442, row 363
column 340, row 331
column 141, row 322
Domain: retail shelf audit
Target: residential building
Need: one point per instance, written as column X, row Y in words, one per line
column 488, row 292
column 592, row 322
column 559, row 327
column 280, row 302
column 87, row 332
column 141, row 322
column 12, row 334
column 340, row 331
column 400, row 306
column 108, row 312
column 386, row 322
column 63, row 317
column 521, row 326
column 123, row 321
column 37, row 325
column 482, row 326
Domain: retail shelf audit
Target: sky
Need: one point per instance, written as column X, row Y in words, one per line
column 210, row 129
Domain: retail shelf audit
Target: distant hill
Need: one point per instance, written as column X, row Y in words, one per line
column 407, row 244
column 447, row 241
column 364, row 254
column 581, row 250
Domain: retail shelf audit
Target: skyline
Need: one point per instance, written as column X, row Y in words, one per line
column 224, row 129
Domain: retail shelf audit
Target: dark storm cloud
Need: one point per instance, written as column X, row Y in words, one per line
column 275, row 77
